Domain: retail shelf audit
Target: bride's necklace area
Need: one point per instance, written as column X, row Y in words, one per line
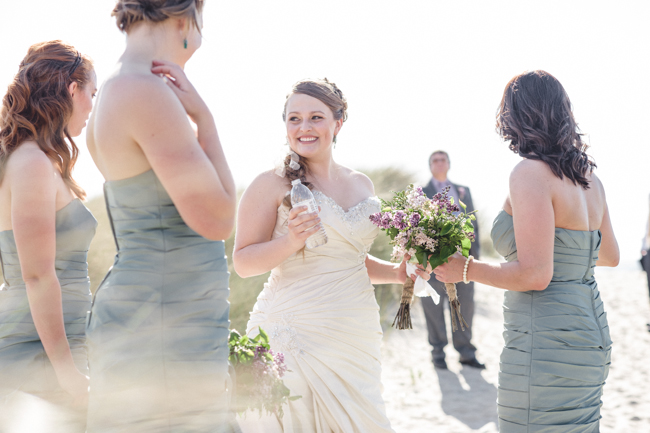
column 334, row 179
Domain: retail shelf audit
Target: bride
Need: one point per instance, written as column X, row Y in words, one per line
column 318, row 305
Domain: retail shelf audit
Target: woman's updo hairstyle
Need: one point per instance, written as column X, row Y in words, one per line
column 38, row 105
column 129, row 12
column 535, row 116
column 330, row 95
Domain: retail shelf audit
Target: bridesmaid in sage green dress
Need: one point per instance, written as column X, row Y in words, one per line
column 158, row 328
column 45, row 232
column 553, row 230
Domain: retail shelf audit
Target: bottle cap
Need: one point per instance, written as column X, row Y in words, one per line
column 295, row 182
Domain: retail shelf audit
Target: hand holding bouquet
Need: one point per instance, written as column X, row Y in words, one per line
column 431, row 230
column 258, row 377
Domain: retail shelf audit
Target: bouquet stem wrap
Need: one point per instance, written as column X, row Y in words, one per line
column 403, row 317
column 454, row 305
column 430, row 231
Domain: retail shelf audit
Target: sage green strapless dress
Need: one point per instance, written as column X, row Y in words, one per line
column 24, row 365
column 557, row 346
column 158, row 328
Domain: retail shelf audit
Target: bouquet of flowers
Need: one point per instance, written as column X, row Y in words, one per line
column 430, row 230
column 258, row 374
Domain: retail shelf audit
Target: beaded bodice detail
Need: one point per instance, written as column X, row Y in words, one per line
column 352, row 217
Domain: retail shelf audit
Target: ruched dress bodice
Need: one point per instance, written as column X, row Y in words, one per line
column 24, row 365
column 319, row 309
column 557, row 346
column 158, row 329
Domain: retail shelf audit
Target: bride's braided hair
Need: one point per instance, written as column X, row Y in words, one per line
column 535, row 116
column 329, row 94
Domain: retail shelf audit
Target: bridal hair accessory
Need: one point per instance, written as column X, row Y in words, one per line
column 469, row 259
column 294, row 160
column 429, row 230
column 76, row 64
column 281, row 170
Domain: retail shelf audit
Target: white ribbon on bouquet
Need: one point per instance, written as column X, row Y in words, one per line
column 422, row 288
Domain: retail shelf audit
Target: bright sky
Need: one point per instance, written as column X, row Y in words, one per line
column 419, row 75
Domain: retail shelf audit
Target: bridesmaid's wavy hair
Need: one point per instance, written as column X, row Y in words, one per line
column 535, row 116
column 329, row 94
column 38, row 106
column 129, row 12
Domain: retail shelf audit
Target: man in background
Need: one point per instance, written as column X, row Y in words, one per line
column 434, row 314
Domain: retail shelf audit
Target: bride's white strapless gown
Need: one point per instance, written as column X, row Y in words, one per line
column 319, row 309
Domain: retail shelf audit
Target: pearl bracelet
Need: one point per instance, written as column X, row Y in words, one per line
column 470, row 258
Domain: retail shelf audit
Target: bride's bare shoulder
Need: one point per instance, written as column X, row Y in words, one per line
column 358, row 178
column 267, row 187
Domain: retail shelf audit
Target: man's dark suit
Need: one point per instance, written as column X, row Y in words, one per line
column 434, row 314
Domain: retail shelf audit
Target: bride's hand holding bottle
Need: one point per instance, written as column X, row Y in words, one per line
column 301, row 225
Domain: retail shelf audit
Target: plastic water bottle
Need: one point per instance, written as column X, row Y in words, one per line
column 302, row 196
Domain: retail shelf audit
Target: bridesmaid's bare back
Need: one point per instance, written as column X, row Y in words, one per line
column 575, row 208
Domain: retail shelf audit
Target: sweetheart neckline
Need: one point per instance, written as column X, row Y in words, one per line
column 351, row 208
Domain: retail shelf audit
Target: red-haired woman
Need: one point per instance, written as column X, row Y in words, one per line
column 45, row 232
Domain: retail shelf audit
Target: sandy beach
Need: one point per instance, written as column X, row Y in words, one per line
column 461, row 399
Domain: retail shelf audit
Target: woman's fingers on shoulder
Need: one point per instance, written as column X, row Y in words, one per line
column 166, row 63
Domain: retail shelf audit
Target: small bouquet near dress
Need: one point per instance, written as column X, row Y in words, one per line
column 431, row 230
column 259, row 370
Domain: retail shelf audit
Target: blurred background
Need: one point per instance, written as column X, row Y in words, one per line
column 419, row 75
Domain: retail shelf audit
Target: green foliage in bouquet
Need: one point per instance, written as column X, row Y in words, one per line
column 426, row 229
column 258, row 374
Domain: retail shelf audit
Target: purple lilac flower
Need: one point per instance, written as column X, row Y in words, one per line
column 386, row 220
column 415, row 219
column 279, row 362
column 259, row 350
column 398, row 220
column 419, row 190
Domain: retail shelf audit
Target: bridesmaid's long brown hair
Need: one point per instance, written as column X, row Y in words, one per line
column 535, row 116
column 38, row 106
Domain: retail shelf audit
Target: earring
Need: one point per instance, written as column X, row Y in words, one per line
column 185, row 43
column 334, row 141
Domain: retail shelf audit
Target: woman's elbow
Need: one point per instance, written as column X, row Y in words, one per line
column 213, row 229
column 538, row 281
column 611, row 261
column 239, row 266
column 219, row 232
column 38, row 278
